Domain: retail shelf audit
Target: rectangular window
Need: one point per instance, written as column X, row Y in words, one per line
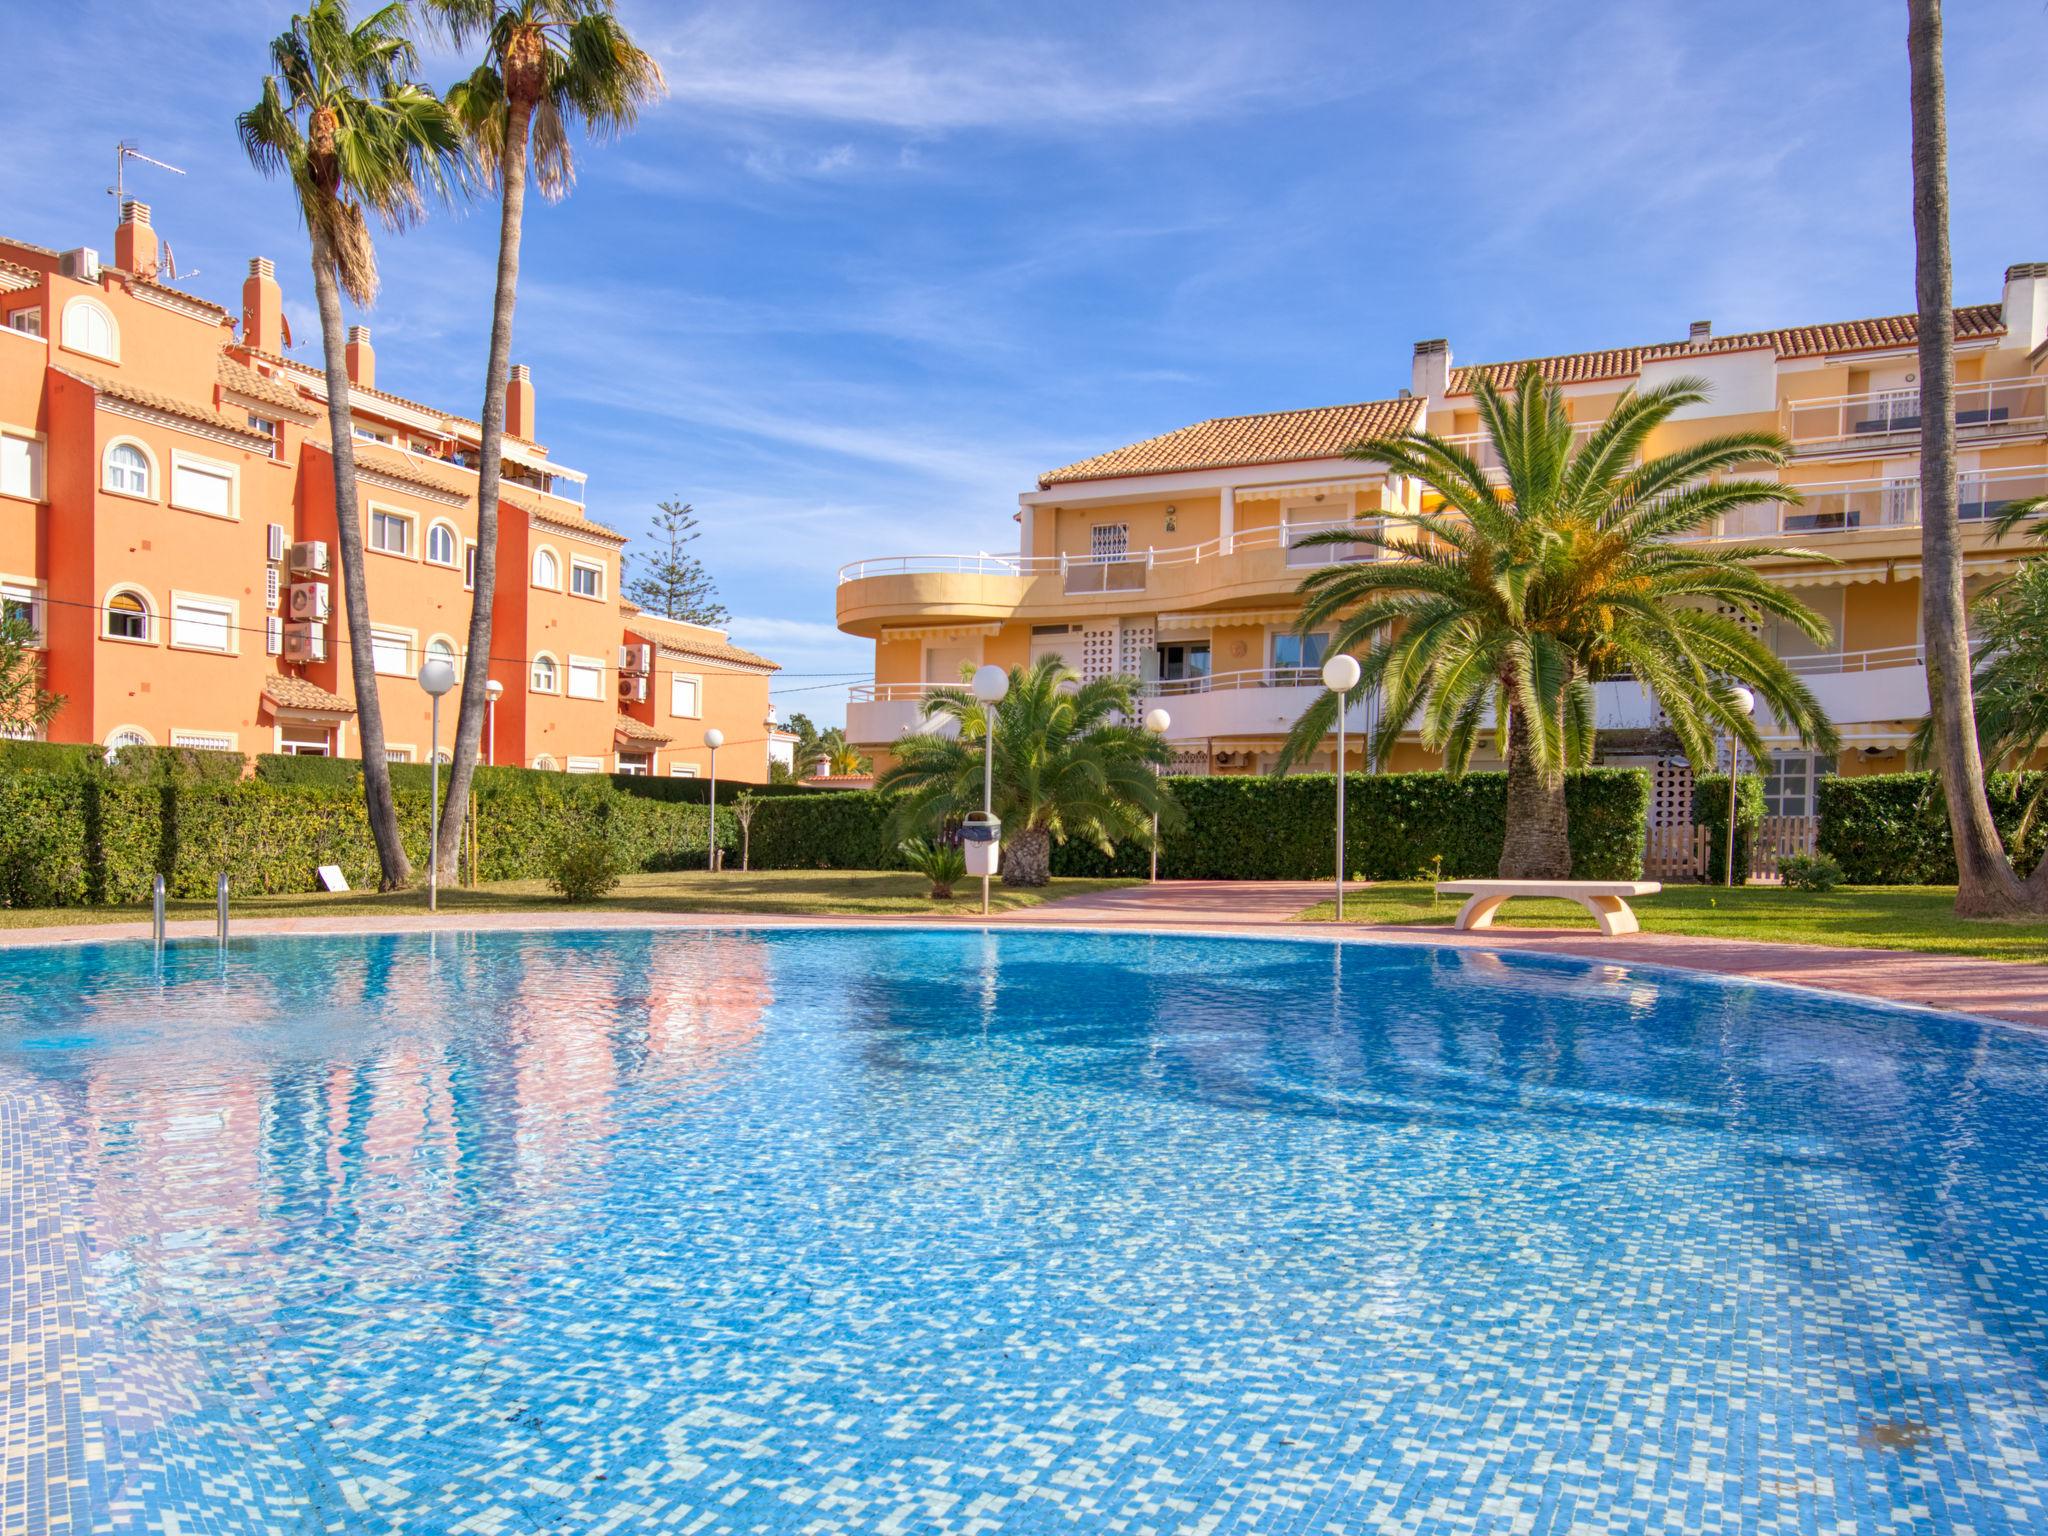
column 397, row 754
column 1294, row 653
column 204, row 741
column 586, row 579
column 1109, row 541
column 391, row 652
column 200, row 485
column 469, row 567
column 586, row 678
column 586, row 765
column 685, row 696
column 633, row 763
column 28, row 321
column 21, row 465
column 202, row 624
column 304, row 740
column 21, row 603
column 390, row 531
column 1789, row 786
column 683, row 771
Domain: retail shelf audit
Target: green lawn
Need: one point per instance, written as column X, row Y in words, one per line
column 1918, row 917
column 867, row 893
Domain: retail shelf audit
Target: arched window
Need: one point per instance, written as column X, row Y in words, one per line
column 128, row 470
column 545, row 763
column 126, row 736
column 88, row 328
column 443, row 648
column 544, row 676
column 547, row 570
column 441, row 544
column 127, row 616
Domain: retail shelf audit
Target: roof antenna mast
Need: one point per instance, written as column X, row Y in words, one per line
column 124, row 151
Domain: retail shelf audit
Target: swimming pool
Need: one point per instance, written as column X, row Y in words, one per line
column 822, row 1231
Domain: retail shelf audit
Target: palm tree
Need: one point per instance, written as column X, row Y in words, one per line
column 1515, row 601
column 342, row 117
column 549, row 64
column 1985, row 883
column 842, row 758
column 1065, row 766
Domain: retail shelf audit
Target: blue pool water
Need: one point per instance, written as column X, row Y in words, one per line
column 891, row 1231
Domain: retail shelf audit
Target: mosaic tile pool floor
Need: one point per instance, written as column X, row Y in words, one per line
column 822, row 1232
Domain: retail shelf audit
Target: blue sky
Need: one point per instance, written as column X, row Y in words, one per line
column 873, row 267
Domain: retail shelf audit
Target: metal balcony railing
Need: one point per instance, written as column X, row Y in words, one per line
column 1846, row 506
column 1882, row 418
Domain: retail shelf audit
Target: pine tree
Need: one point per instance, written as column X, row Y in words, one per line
column 675, row 584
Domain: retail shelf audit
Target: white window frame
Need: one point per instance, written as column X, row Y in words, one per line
column 554, row 682
column 642, row 765
column 448, row 651
column 410, row 521
column 149, row 614
column 381, row 637
column 469, row 565
column 579, row 566
column 37, row 446
column 114, row 743
column 585, row 765
column 684, row 771
column 80, row 304
column 544, row 762
column 216, row 468
column 554, row 583
column 233, row 623
column 33, row 593
column 35, row 314
column 299, row 748
column 399, row 752
column 589, row 665
column 676, row 682
column 207, row 741
column 149, row 470
column 442, row 525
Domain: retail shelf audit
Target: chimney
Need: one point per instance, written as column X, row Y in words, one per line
column 1432, row 375
column 1702, row 333
column 519, row 402
column 135, row 243
column 360, row 358
column 262, row 308
column 2026, row 305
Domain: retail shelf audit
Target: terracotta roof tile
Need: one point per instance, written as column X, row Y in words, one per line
column 1885, row 333
column 421, row 406
column 690, row 640
column 170, row 405
column 1277, row 437
column 543, row 510
column 451, row 479
column 631, row 729
column 249, row 383
column 179, row 294
column 300, row 693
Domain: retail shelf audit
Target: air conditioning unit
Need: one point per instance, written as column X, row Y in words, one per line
column 633, row 689
column 273, row 635
column 310, row 557
column 82, row 264
column 269, row 588
column 636, row 659
column 277, row 541
column 305, row 642
column 309, row 600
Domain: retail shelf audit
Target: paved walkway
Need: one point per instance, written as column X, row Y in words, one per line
column 1991, row 988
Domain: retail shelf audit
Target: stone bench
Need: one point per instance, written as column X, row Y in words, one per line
column 1607, row 900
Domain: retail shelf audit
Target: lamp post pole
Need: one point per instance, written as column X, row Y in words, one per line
column 492, row 691
column 1745, row 701
column 1340, row 676
column 437, row 676
column 713, row 739
column 990, row 683
column 1157, row 722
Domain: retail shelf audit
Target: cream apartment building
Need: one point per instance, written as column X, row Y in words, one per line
column 1172, row 560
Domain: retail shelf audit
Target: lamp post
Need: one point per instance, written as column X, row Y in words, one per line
column 1156, row 721
column 1744, row 701
column 1340, row 676
column 493, row 690
column 437, row 676
column 713, row 740
column 990, row 683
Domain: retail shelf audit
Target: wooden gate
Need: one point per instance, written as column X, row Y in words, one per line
column 1679, row 851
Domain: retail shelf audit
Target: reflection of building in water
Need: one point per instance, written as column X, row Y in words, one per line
column 705, row 998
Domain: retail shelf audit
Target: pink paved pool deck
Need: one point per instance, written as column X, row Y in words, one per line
column 1990, row 988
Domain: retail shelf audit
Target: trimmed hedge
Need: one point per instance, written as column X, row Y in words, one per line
column 1892, row 828
column 1258, row 828
column 1710, row 810
column 92, row 833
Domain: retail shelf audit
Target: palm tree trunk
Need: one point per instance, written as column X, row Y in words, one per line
column 1027, row 858
column 476, row 669
column 1537, row 845
column 394, row 869
column 1985, row 883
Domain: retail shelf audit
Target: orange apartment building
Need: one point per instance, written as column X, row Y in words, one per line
column 1175, row 560
column 168, row 527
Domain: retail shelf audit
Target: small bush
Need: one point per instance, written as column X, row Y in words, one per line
column 583, row 865
column 1810, row 872
column 941, row 863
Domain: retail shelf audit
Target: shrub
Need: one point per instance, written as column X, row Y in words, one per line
column 583, row 865
column 941, row 863
column 1810, row 872
column 1892, row 828
column 1710, row 810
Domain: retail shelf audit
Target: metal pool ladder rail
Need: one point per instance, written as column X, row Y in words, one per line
column 220, row 901
column 156, row 911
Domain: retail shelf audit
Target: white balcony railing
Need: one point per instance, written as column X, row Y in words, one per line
column 1848, row 505
column 1480, row 444
column 1881, row 418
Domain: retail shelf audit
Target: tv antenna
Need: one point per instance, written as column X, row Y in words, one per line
column 124, row 151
